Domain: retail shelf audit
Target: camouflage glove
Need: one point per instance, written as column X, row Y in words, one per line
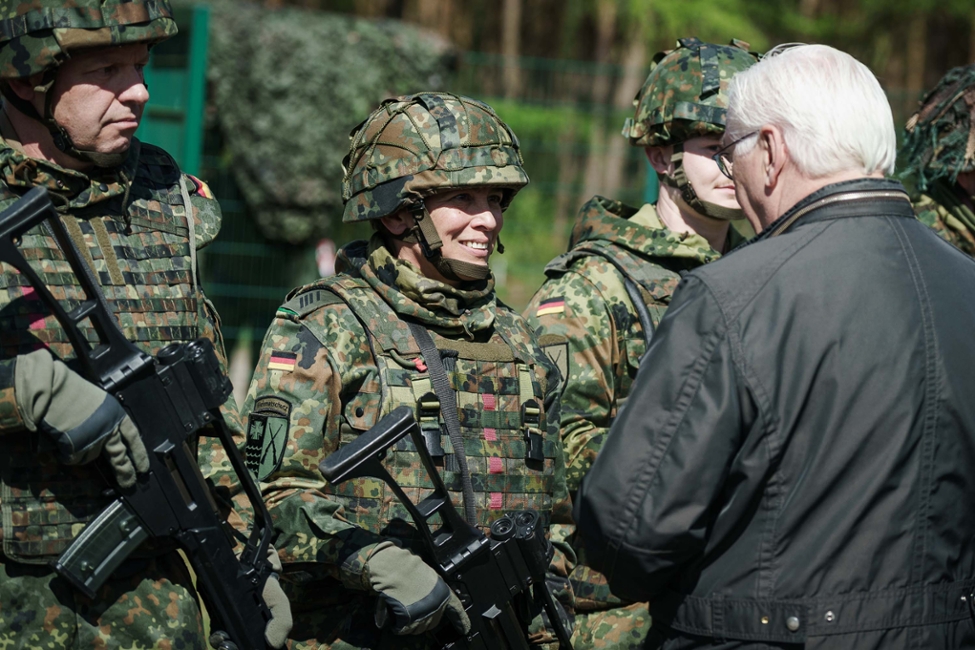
column 83, row 419
column 276, row 632
column 414, row 593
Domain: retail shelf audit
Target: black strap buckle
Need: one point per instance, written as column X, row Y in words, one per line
column 428, row 411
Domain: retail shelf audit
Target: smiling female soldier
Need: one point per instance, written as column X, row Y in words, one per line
column 433, row 173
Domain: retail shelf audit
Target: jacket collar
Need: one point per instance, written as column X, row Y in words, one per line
column 641, row 232
column 74, row 188
column 852, row 198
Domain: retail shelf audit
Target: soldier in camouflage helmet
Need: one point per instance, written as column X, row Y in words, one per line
column 595, row 313
column 939, row 148
column 73, row 95
column 432, row 173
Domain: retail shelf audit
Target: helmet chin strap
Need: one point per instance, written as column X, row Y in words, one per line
column 59, row 135
column 680, row 183
column 425, row 233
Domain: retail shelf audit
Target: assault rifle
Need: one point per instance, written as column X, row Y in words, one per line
column 500, row 581
column 170, row 398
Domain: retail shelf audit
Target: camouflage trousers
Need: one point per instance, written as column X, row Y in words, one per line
column 621, row 628
column 140, row 611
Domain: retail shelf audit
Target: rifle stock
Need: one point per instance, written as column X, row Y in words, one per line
column 170, row 398
column 500, row 581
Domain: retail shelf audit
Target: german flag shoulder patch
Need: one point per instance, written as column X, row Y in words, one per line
column 550, row 306
column 199, row 187
column 282, row 361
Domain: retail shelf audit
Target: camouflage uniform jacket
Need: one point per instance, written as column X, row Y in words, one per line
column 134, row 234
column 586, row 322
column 328, row 371
column 943, row 208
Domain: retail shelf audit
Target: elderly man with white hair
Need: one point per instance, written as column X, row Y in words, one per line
column 795, row 466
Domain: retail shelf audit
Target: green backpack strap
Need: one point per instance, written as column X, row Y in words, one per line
column 641, row 280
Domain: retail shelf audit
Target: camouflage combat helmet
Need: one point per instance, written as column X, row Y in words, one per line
column 417, row 145
column 940, row 138
column 686, row 96
column 38, row 36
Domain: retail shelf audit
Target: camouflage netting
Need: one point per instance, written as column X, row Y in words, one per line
column 940, row 137
column 289, row 85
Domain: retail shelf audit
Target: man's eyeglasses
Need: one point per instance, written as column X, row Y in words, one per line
column 724, row 158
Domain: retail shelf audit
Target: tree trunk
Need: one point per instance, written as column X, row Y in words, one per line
column 634, row 61
column 917, row 47
column 511, row 47
column 433, row 14
column 971, row 39
column 565, row 198
column 809, row 8
column 601, row 100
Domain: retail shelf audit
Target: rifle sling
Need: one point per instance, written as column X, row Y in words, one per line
column 448, row 409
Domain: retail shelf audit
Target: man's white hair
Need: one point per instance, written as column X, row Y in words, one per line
column 832, row 112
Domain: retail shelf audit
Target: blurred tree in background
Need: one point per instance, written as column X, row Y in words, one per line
column 290, row 78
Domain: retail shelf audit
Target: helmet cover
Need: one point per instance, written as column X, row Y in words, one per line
column 686, row 94
column 416, row 145
column 940, row 137
column 38, row 35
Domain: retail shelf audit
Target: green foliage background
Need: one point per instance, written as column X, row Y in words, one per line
column 289, row 85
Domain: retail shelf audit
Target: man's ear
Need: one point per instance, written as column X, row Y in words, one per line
column 771, row 143
column 398, row 222
column 659, row 158
column 24, row 87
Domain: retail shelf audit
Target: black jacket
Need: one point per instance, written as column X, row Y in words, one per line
column 796, row 463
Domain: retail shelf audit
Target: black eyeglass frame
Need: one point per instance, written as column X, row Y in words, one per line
column 721, row 159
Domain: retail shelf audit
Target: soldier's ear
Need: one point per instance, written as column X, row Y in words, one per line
column 25, row 88
column 659, row 158
column 398, row 222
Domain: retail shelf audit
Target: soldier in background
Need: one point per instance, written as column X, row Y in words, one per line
column 595, row 313
column 939, row 148
column 73, row 96
column 432, row 173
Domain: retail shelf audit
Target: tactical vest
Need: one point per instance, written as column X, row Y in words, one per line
column 500, row 389
column 655, row 284
column 145, row 267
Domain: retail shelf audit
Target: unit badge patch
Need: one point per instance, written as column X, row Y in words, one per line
column 557, row 349
column 267, row 436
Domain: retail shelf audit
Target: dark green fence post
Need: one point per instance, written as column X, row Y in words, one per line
column 176, row 77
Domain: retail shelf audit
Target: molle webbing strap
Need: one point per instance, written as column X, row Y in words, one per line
column 531, row 416
column 495, row 352
column 448, row 409
column 108, row 251
column 449, row 133
column 190, row 228
column 710, row 70
column 74, row 231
